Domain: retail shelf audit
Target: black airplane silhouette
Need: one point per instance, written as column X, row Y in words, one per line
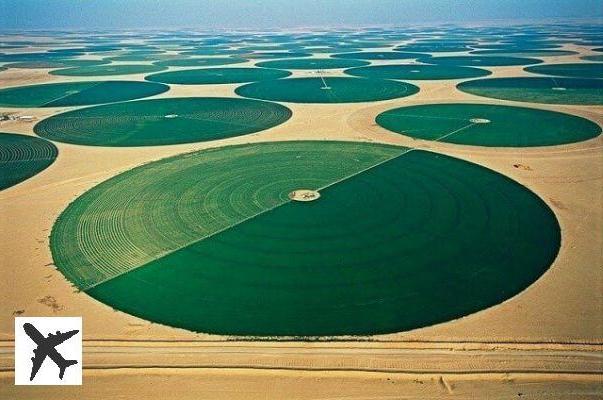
column 46, row 347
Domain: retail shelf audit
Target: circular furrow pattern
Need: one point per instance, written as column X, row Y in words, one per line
column 22, row 157
column 488, row 125
column 77, row 93
column 162, row 121
column 327, row 90
column 397, row 240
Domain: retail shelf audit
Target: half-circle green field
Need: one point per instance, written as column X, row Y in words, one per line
column 109, row 69
column 481, row 61
column 327, row 90
column 162, row 121
column 22, row 157
column 573, row 70
column 538, row 89
column 78, row 93
column 488, row 125
column 418, row 72
column 312, row 63
column 211, row 242
column 205, row 76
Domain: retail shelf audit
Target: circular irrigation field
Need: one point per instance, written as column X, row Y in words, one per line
column 78, row 93
column 110, row 69
column 481, row 61
column 488, row 125
column 312, row 63
column 327, row 90
column 22, row 157
column 200, row 62
column 379, row 55
column 538, row 89
column 384, row 240
column 418, row 72
column 162, row 121
column 205, row 76
column 581, row 70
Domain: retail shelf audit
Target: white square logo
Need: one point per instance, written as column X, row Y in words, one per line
column 48, row 351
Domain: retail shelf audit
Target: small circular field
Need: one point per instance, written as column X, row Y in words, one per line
column 78, row 93
column 22, row 157
column 162, row 121
column 488, row 125
column 393, row 239
column 327, row 90
column 549, row 90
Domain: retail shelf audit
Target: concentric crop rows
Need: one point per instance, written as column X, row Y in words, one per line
column 21, row 157
column 140, row 215
column 162, row 121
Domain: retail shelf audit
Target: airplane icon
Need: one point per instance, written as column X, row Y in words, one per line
column 46, row 347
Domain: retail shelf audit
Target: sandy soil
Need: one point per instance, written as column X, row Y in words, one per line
column 547, row 339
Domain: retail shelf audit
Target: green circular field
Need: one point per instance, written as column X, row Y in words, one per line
column 576, row 70
column 77, row 93
column 312, row 63
column 162, row 121
column 327, row 90
column 22, row 157
column 525, row 53
column 110, row 69
column 205, row 76
column 488, row 125
column 200, row 62
column 538, row 90
column 597, row 58
column 211, row 242
column 379, row 55
column 55, row 64
column 432, row 48
column 417, row 72
column 481, row 61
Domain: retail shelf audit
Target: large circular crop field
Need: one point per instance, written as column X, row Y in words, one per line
column 393, row 239
column 538, row 89
column 109, row 69
column 22, row 157
column 488, row 125
column 78, row 93
column 162, row 121
column 481, row 61
column 418, row 72
column 208, row 76
column 327, row 90
column 312, row 63
column 573, row 70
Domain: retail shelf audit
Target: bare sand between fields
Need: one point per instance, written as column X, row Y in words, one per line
column 561, row 309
